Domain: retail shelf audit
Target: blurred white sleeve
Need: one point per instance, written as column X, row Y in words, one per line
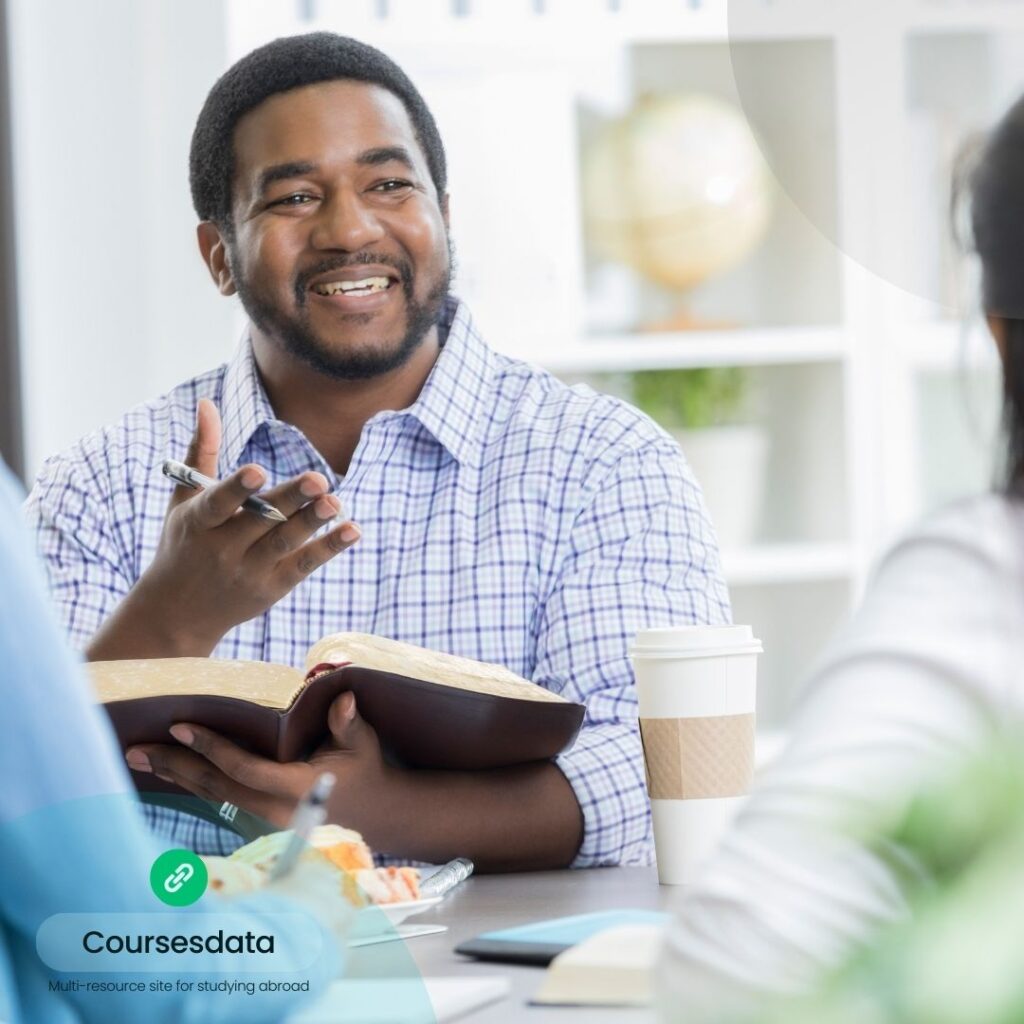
column 925, row 671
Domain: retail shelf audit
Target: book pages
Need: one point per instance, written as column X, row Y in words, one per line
column 259, row 682
column 403, row 659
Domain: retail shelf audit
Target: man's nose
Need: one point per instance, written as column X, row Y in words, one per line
column 345, row 222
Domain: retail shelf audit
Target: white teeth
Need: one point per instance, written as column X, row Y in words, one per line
column 366, row 286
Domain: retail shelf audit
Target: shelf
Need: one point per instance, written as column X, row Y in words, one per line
column 748, row 347
column 768, row 564
column 926, row 16
column 517, row 23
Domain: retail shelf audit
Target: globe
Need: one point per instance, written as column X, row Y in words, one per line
column 678, row 189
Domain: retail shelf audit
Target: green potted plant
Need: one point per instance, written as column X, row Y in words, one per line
column 706, row 410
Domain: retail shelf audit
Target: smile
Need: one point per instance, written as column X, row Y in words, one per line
column 366, row 286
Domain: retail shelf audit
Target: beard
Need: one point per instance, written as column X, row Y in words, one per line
column 295, row 334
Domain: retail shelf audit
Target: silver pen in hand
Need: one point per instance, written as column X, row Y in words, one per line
column 189, row 477
column 310, row 812
column 446, row 877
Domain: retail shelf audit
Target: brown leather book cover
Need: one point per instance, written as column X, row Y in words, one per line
column 420, row 724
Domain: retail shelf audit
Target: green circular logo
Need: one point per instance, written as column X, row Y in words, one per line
column 178, row 877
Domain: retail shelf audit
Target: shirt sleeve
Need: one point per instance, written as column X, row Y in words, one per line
column 640, row 554
column 70, row 512
column 71, row 839
column 923, row 674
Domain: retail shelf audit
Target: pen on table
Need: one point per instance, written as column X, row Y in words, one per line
column 447, row 877
column 189, row 477
column 310, row 812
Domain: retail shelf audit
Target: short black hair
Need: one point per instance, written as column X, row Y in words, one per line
column 280, row 66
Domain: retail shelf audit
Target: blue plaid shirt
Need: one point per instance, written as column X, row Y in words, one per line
column 504, row 516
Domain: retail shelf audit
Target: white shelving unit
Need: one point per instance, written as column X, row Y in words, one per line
column 774, row 346
column 845, row 316
column 785, row 564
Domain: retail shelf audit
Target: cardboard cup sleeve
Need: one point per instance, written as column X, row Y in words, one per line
column 698, row 758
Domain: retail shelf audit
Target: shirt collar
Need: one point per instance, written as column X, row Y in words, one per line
column 244, row 406
column 452, row 405
column 457, row 397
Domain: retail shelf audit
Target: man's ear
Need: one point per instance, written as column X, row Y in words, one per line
column 444, row 209
column 215, row 256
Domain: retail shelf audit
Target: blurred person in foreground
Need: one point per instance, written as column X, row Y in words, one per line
column 929, row 669
column 72, row 839
column 955, row 959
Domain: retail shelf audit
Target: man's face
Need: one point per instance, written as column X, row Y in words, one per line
column 340, row 255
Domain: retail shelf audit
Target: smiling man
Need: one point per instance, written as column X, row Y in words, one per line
column 502, row 515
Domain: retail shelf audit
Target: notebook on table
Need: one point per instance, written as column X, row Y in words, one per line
column 615, row 967
column 539, row 942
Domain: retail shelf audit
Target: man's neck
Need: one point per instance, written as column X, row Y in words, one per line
column 332, row 413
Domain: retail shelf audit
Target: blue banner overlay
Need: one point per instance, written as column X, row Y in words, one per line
column 86, row 927
column 152, row 943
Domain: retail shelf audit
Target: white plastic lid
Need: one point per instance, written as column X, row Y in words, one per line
column 695, row 642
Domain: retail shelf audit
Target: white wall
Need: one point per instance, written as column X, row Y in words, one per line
column 115, row 305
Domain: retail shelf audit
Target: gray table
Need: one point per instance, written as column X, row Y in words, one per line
column 484, row 903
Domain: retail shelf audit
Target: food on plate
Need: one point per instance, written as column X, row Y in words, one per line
column 233, row 877
column 344, row 848
column 249, row 867
column 389, row 885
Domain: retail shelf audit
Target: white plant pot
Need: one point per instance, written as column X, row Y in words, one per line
column 729, row 464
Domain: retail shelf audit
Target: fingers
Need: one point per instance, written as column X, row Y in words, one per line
column 216, row 505
column 204, row 448
column 217, row 770
column 294, row 568
column 289, row 537
column 197, row 775
column 298, row 492
column 348, row 730
column 269, row 777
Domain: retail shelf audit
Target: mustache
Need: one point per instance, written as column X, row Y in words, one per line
column 401, row 267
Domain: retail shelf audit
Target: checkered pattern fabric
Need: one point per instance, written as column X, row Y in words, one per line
column 505, row 517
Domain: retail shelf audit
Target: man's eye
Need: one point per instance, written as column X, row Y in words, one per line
column 295, row 199
column 392, row 185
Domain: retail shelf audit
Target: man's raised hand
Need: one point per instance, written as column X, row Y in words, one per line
column 218, row 565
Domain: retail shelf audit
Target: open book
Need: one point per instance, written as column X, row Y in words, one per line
column 430, row 710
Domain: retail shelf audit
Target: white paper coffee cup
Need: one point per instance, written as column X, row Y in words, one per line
column 697, row 693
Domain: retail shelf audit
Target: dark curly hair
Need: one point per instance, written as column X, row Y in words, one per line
column 277, row 67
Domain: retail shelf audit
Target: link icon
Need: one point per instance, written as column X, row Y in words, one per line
column 178, row 878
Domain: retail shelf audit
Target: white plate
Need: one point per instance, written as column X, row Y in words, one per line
column 374, row 920
column 400, row 933
column 398, row 912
